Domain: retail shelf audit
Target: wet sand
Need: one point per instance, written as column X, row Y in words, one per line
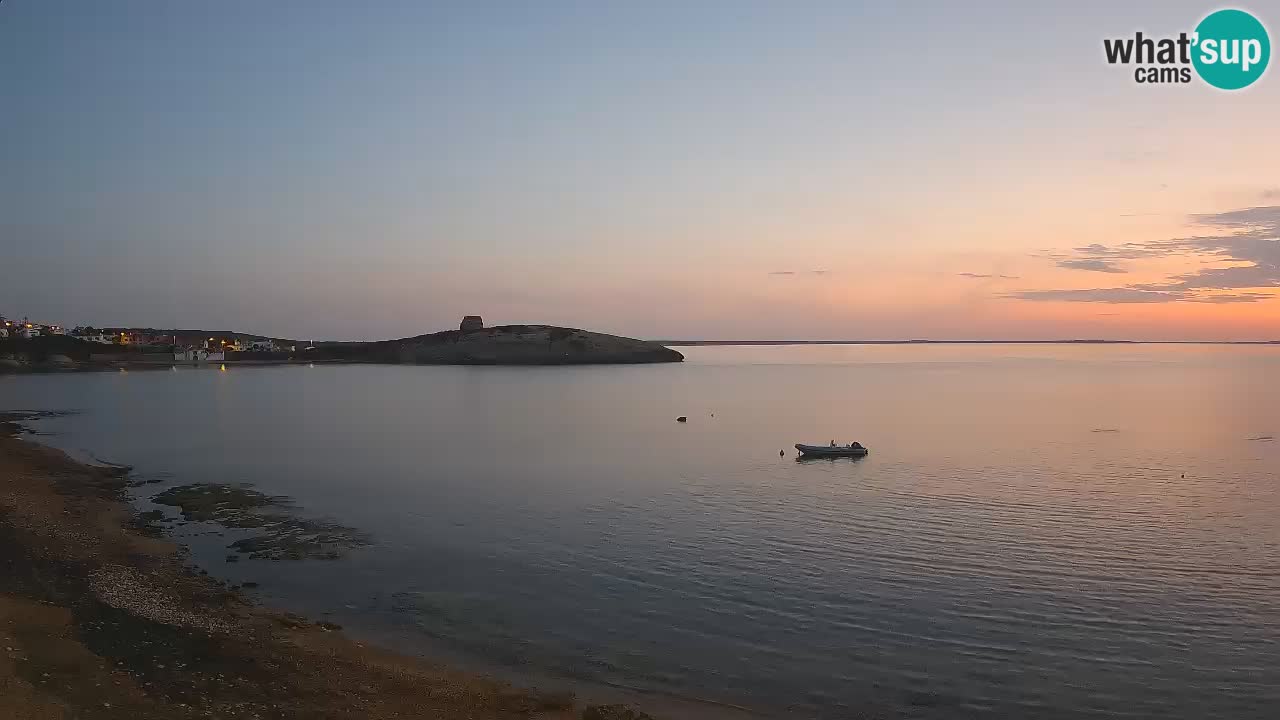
column 100, row 619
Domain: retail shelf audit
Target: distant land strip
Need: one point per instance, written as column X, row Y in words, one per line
column 692, row 343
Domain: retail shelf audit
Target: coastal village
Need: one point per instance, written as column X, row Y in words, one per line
column 183, row 346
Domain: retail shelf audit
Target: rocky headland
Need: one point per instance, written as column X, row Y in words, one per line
column 500, row 345
column 512, row 345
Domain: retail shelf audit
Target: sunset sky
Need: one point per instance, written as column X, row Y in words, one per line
column 714, row 170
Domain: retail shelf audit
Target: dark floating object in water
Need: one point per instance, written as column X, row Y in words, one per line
column 1106, row 430
column 832, row 450
column 1263, row 438
column 682, row 418
column 781, row 453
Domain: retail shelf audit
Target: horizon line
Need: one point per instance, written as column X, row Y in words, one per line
column 1061, row 341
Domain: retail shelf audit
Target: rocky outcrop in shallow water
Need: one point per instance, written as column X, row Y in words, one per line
column 614, row 712
column 277, row 533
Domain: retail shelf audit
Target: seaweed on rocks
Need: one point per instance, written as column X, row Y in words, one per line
column 280, row 535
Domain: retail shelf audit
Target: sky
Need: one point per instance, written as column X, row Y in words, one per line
column 673, row 170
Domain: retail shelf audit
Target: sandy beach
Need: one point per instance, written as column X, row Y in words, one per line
column 101, row 619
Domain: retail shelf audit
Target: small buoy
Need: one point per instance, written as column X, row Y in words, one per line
column 781, row 453
column 682, row 418
column 713, row 414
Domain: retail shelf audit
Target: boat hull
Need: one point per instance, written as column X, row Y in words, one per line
column 830, row 451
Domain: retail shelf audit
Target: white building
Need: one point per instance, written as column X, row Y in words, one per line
column 99, row 338
column 195, row 354
column 27, row 332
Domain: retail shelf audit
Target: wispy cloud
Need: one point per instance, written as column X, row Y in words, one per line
column 1092, row 264
column 1254, row 222
column 1129, row 295
column 1102, row 295
column 1247, row 254
column 793, row 273
column 984, row 276
column 1124, row 251
column 1103, row 258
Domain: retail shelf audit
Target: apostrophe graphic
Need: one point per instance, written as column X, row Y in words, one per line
column 1231, row 49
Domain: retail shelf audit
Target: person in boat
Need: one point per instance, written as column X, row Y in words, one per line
column 833, row 443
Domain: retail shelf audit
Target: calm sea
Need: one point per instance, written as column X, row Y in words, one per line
column 1039, row 531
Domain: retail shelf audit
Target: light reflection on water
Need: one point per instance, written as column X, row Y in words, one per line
column 1038, row 531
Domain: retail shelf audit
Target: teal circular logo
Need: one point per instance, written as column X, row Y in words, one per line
column 1231, row 49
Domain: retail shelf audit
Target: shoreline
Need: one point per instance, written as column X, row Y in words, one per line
column 99, row 366
column 101, row 617
column 499, row 345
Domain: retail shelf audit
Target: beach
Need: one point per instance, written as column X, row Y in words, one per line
column 101, row 619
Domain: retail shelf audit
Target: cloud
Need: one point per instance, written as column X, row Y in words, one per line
column 1101, row 258
column 1244, row 257
column 1233, row 298
column 793, row 273
column 1125, row 251
column 1101, row 295
column 1261, row 221
column 1132, row 295
column 1229, row 278
column 1093, row 264
column 983, row 276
